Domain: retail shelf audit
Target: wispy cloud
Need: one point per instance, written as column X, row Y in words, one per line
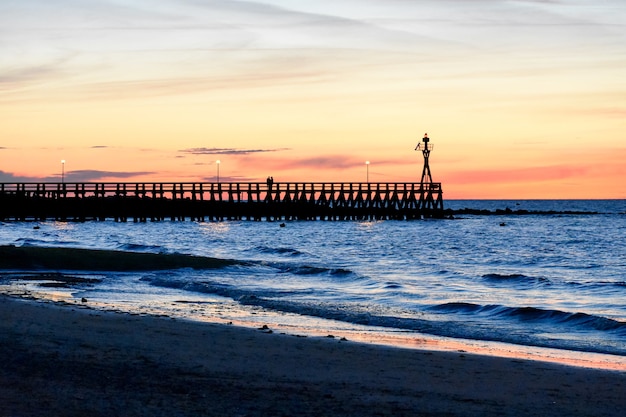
column 10, row 177
column 330, row 162
column 74, row 176
column 231, row 178
column 134, row 50
column 95, row 175
column 255, row 43
column 228, row 151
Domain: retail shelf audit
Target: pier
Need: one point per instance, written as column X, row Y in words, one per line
column 219, row 201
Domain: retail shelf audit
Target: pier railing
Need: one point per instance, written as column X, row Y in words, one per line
column 219, row 200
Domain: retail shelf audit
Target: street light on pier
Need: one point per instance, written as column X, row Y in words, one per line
column 367, row 170
column 62, row 171
column 217, row 163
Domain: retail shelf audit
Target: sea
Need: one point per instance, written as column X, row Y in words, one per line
column 543, row 274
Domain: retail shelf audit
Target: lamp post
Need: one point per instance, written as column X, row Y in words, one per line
column 367, row 170
column 62, row 171
column 217, row 163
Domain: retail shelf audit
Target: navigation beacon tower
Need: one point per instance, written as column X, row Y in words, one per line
column 425, row 146
column 431, row 198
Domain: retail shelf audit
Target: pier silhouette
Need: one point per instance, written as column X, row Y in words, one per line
column 218, row 201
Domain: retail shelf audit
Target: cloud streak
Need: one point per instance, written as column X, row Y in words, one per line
column 322, row 162
column 135, row 51
column 228, row 151
column 75, row 176
column 95, row 175
column 10, row 177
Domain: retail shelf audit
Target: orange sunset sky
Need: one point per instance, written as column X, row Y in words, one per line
column 521, row 99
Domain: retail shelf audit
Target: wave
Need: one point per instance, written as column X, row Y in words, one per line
column 52, row 278
column 314, row 270
column 42, row 242
column 516, row 278
column 523, row 335
column 279, row 251
column 133, row 247
column 302, row 269
column 601, row 284
column 537, row 315
column 55, row 258
column 482, row 322
column 214, row 288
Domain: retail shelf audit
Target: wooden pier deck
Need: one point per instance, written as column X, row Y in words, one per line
column 213, row 201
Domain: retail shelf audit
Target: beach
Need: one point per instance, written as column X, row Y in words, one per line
column 71, row 360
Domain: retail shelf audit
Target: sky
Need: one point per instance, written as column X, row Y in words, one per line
column 521, row 99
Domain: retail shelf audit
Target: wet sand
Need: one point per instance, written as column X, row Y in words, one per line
column 74, row 361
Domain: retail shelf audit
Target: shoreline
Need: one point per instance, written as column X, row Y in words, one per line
column 82, row 361
column 318, row 327
column 77, row 270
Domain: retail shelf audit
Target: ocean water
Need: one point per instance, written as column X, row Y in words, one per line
column 556, row 281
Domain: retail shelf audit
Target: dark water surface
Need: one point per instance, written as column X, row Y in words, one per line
column 536, row 280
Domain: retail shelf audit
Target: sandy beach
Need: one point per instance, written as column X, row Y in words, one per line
column 66, row 360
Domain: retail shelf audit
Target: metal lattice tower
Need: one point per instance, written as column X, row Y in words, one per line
column 425, row 146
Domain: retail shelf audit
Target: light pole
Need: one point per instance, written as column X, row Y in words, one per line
column 218, row 169
column 367, row 170
column 62, row 171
